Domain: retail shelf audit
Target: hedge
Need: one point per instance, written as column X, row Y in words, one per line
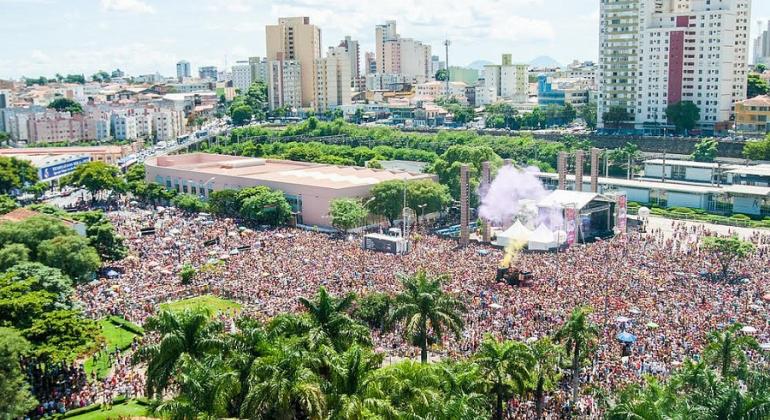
column 126, row 325
column 90, row 408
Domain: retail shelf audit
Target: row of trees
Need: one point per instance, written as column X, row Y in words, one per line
column 58, row 78
column 502, row 115
column 320, row 364
column 684, row 115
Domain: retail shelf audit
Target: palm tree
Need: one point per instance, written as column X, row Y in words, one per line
column 329, row 314
column 507, row 367
column 578, row 335
column 283, row 385
column 545, row 372
column 354, row 392
column 726, row 351
column 249, row 343
column 651, row 402
column 189, row 332
column 412, row 388
column 426, row 311
column 463, row 388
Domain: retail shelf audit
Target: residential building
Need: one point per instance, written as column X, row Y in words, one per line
column 191, row 86
column 370, row 65
column 295, row 40
column 752, row 116
column 333, row 87
column 183, row 70
column 762, row 47
column 504, row 82
column 284, row 84
column 258, row 69
column 463, row 74
column 124, row 127
column 403, row 56
column 352, row 51
column 435, row 89
column 377, row 81
column 208, row 73
column 242, row 76
column 656, row 53
column 168, row 125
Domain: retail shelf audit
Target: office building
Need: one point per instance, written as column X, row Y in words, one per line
column 654, row 53
column 208, row 73
column 333, row 87
column 183, row 70
column 241, row 76
column 295, row 40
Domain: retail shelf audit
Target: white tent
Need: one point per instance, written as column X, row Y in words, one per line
column 542, row 239
column 516, row 233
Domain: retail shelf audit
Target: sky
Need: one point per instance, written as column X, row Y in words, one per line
column 43, row 37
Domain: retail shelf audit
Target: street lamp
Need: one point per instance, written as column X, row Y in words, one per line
column 422, row 211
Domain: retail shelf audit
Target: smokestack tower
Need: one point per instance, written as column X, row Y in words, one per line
column 486, row 180
column 595, row 169
column 579, row 170
column 561, row 168
column 464, row 205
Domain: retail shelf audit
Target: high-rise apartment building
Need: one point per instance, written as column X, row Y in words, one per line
column 242, row 76
column 295, row 40
column 403, row 56
column 284, row 84
column 370, row 65
column 183, row 70
column 762, row 47
column 333, row 80
column 504, row 82
column 352, row 51
column 208, row 72
column 258, row 69
column 654, row 53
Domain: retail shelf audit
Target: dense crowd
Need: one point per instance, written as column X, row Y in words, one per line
column 650, row 285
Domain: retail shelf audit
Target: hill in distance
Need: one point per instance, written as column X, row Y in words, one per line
column 544, row 62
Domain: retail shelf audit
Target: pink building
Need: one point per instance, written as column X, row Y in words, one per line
column 309, row 187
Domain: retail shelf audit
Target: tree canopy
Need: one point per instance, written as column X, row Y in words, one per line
column 95, row 177
column 756, row 86
column 706, row 150
column 263, row 205
column 66, row 105
column 347, row 213
column 683, row 114
column 15, row 174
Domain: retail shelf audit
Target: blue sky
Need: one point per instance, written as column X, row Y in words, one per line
column 42, row 37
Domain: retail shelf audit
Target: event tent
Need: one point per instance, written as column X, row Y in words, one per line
column 542, row 239
column 516, row 233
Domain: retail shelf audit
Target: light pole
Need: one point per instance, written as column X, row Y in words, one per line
column 422, row 211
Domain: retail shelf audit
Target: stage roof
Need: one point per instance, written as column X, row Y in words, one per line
column 562, row 198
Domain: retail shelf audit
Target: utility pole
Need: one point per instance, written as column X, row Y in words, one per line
column 446, row 59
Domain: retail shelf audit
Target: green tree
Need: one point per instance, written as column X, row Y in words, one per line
column 726, row 351
column 95, row 177
column 13, row 254
column 568, row 113
column 40, row 278
column 329, row 316
column 188, row 332
column 347, row 213
column 224, row 203
column 7, row 204
column 256, row 99
column 616, row 116
column 17, row 399
column 37, row 189
column 427, row 196
column 66, row 105
column 32, row 232
column 101, row 76
column 705, row 150
column 760, row 68
column 757, row 149
column 413, row 389
column 727, row 250
column 426, row 311
column 264, row 206
column 545, row 372
column 61, row 335
column 136, row 173
column 441, row 75
column 72, row 254
column 588, row 114
column 388, row 199
column 5, row 139
column 108, row 244
column 374, row 309
column 285, row 386
column 241, row 114
column 506, row 368
column 579, row 336
column 189, row 203
column 756, row 86
column 355, row 392
column 15, row 174
column 187, row 273
column 683, row 114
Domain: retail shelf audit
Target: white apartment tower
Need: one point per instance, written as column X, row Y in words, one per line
column 284, row 84
column 402, row 56
column 352, row 50
column 333, row 80
column 504, row 82
column 762, row 46
column 659, row 52
column 242, row 76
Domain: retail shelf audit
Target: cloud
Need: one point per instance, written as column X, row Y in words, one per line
column 134, row 6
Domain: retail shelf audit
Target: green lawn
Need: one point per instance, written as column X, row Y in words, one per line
column 114, row 336
column 213, row 303
column 128, row 409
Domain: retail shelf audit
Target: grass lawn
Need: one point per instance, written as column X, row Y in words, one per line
column 114, row 336
column 213, row 303
column 127, row 409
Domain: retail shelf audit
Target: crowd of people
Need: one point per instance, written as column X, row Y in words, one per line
column 651, row 285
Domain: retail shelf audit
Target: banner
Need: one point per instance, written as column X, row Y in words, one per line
column 622, row 212
column 570, row 216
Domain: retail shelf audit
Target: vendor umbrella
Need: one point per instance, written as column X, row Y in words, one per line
column 748, row 330
column 652, row 325
column 626, row 337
